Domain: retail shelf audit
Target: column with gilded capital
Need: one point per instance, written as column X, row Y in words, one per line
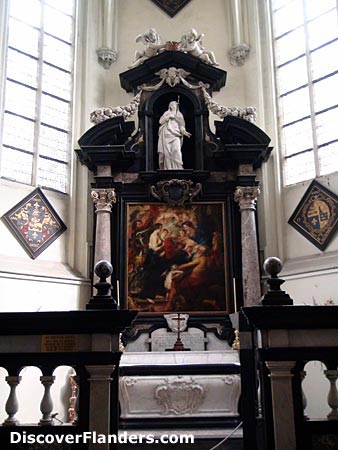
column 247, row 198
column 103, row 200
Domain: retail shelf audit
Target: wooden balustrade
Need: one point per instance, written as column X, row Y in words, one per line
column 87, row 341
column 279, row 341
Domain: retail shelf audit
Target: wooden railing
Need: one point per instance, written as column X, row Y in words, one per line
column 277, row 340
column 87, row 341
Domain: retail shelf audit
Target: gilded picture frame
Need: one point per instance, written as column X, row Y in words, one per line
column 316, row 216
column 34, row 223
column 176, row 258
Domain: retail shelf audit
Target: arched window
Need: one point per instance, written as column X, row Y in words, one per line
column 37, row 104
column 306, row 49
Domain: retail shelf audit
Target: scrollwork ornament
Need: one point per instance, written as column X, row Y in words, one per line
column 179, row 396
column 175, row 192
column 103, row 199
column 247, row 197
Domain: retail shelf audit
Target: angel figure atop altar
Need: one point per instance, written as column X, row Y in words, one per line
column 192, row 43
column 152, row 41
column 170, row 138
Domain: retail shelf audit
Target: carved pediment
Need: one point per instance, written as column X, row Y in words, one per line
column 146, row 73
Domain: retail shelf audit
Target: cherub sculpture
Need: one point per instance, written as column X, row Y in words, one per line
column 152, row 41
column 192, row 43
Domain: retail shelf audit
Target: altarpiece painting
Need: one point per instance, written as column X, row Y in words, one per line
column 176, row 257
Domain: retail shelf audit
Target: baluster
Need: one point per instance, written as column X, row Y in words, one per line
column 304, row 400
column 332, row 398
column 12, row 404
column 46, row 405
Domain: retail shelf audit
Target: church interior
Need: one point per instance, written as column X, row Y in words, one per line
column 169, row 224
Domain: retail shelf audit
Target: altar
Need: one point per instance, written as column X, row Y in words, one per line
column 175, row 206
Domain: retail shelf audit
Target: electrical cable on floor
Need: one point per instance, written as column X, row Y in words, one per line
column 229, row 435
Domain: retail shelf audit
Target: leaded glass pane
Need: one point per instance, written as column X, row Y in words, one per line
column 22, row 68
column 324, row 60
column 328, row 158
column 290, row 46
column 66, row 6
column 276, row 4
column 327, row 126
column 297, row 137
column 20, row 99
column 52, row 174
column 54, row 143
column 289, row 17
column 58, row 24
column 56, row 82
column 292, row 75
column 295, row 106
column 16, row 166
column 55, row 112
column 326, row 93
column 323, row 29
column 57, row 53
column 18, row 132
column 23, row 37
column 300, row 167
column 28, row 11
column 315, row 8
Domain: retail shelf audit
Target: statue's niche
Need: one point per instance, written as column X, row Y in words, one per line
column 190, row 107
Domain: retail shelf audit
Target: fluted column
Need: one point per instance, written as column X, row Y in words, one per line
column 247, row 198
column 103, row 200
column 282, row 404
column 12, row 404
column 107, row 51
column 100, row 402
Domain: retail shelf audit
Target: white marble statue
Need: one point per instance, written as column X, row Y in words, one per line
column 192, row 43
column 170, row 138
column 152, row 41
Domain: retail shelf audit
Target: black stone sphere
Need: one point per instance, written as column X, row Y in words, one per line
column 103, row 269
column 272, row 266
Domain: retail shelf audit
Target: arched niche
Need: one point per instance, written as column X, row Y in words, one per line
column 190, row 107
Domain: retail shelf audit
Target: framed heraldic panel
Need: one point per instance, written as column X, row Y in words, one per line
column 34, row 222
column 176, row 258
column 316, row 216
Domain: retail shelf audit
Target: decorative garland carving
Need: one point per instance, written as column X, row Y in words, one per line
column 175, row 192
column 172, row 77
column 247, row 113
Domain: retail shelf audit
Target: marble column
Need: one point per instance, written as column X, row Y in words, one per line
column 103, row 200
column 107, row 53
column 247, row 198
column 100, row 402
column 282, row 404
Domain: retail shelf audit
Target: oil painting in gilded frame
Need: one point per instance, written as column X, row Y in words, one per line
column 176, row 258
column 34, row 222
column 316, row 216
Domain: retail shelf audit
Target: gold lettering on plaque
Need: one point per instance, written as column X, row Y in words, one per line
column 59, row 343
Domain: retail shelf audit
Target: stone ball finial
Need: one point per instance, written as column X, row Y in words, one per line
column 103, row 269
column 272, row 266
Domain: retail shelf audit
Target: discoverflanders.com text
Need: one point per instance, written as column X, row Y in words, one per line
column 23, row 437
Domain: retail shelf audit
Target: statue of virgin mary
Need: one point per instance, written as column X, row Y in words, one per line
column 170, row 138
